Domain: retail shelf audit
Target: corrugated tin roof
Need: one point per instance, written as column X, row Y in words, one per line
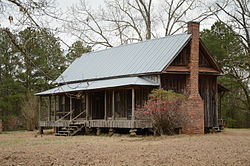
column 99, row 84
column 149, row 56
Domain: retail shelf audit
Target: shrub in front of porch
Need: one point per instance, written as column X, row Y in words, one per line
column 164, row 109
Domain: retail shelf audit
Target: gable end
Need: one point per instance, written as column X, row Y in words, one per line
column 206, row 60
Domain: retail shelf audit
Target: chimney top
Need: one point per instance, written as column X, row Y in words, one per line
column 193, row 22
column 193, row 28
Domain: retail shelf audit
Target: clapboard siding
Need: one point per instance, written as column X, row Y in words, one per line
column 208, row 92
column 175, row 82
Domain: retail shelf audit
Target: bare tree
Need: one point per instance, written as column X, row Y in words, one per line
column 30, row 111
column 31, row 13
column 117, row 19
column 85, row 22
column 177, row 12
column 145, row 10
column 237, row 14
column 28, row 12
column 120, row 22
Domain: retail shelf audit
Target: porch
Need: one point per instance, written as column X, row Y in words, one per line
column 107, row 108
column 99, row 123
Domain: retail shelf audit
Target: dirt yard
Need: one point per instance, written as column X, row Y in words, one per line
column 232, row 147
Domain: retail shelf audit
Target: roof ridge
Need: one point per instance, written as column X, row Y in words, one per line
column 160, row 38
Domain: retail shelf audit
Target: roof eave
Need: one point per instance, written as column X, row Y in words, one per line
column 111, row 77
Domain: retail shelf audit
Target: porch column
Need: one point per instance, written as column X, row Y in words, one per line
column 87, row 106
column 105, row 105
column 39, row 114
column 55, row 108
column 113, row 105
column 49, row 111
column 216, row 103
column 39, row 108
column 70, row 107
column 133, row 106
column 159, row 80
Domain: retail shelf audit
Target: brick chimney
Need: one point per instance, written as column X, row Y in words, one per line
column 195, row 104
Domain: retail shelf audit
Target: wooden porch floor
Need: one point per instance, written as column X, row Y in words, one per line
column 99, row 123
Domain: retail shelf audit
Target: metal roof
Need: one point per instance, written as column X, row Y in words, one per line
column 99, row 84
column 150, row 56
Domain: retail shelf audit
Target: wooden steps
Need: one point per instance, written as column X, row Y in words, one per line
column 71, row 130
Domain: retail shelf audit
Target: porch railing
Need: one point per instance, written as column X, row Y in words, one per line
column 78, row 115
column 62, row 118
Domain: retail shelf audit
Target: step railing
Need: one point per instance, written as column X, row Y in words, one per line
column 77, row 130
column 78, row 115
column 62, row 118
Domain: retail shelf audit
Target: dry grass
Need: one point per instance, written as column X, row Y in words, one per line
column 232, row 147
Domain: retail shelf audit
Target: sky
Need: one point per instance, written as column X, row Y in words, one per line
column 65, row 5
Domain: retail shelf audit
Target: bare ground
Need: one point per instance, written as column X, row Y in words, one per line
column 231, row 147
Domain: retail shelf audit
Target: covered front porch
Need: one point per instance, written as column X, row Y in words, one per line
column 107, row 103
column 112, row 108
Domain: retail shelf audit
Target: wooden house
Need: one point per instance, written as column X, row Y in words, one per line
column 102, row 89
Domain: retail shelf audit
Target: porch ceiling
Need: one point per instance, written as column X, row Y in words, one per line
column 99, row 84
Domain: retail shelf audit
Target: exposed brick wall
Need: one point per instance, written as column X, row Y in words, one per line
column 1, row 126
column 195, row 105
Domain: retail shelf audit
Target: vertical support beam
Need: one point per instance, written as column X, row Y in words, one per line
column 133, row 107
column 39, row 108
column 113, row 105
column 39, row 114
column 49, row 112
column 83, row 101
column 87, row 106
column 159, row 80
column 216, row 103
column 55, row 97
column 220, row 95
column 105, row 105
column 70, row 107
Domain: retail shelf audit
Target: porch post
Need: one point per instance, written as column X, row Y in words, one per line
column 113, row 105
column 159, row 81
column 87, row 106
column 105, row 105
column 39, row 114
column 49, row 111
column 70, row 107
column 133, row 106
column 39, row 108
column 216, row 103
column 55, row 108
